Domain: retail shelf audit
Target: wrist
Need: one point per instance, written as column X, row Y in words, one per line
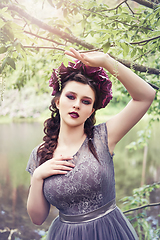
column 36, row 176
column 110, row 64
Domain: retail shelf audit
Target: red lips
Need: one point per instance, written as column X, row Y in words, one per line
column 74, row 114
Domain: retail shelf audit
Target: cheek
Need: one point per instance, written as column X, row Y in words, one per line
column 64, row 102
column 88, row 112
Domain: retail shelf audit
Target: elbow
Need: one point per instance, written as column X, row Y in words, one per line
column 37, row 211
column 151, row 96
column 36, row 217
column 37, row 221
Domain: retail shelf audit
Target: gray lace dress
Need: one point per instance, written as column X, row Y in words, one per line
column 85, row 196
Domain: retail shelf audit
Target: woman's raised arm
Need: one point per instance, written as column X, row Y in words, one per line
column 142, row 96
column 142, row 93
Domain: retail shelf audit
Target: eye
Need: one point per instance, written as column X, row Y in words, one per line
column 86, row 102
column 71, row 97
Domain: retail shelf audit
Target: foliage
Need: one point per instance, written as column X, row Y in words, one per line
column 85, row 25
column 30, row 47
column 143, row 136
column 44, row 236
column 141, row 200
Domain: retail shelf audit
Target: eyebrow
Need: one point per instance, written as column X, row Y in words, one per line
column 89, row 98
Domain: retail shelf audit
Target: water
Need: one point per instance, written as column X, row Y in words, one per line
column 16, row 143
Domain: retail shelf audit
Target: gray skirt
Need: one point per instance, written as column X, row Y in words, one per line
column 109, row 225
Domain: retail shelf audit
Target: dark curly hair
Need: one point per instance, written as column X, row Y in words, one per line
column 52, row 125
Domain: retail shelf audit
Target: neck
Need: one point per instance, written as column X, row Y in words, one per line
column 71, row 135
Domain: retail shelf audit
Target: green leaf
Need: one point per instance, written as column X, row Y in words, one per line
column 113, row 17
column 51, row 3
column 3, row 65
column 83, row 22
column 3, row 10
column 7, row 15
column 2, row 23
column 65, row 12
column 59, row 4
column 8, row 30
column 23, row 54
column 65, row 62
column 76, row 10
column 158, row 22
column 11, row 62
column 18, row 47
column 125, row 48
column 133, row 53
column 106, row 47
column 3, row 49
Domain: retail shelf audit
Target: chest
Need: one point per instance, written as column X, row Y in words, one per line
column 64, row 152
column 68, row 151
column 86, row 186
column 84, row 179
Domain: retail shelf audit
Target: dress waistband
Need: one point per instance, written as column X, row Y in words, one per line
column 87, row 217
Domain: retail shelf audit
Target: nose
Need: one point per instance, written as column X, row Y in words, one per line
column 77, row 104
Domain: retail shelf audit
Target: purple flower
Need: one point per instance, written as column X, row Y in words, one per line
column 97, row 74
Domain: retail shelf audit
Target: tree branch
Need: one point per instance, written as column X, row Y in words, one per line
column 47, row 39
column 146, row 3
column 118, row 21
column 72, row 39
column 145, row 41
column 148, row 205
column 129, row 7
column 115, row 8
column 138, row 67
column 44, row 47
column 65, row 36
column 143, row 55
column 127, row 63
column 141, row 207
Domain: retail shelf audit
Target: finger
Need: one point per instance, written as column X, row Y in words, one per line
column 75, row 53
column 79, row 58
column 63, row 167
column 69, row 53
column 62, row 158
column 64, row 163
column 56, row 172
column 86, row 62
column 82, row 57
column 86, row 59
column 66, row 157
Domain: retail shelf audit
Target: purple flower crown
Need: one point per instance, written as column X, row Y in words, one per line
column 97, row 74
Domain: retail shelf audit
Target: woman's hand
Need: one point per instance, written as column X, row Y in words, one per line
column 93, row 59
column 53, row 166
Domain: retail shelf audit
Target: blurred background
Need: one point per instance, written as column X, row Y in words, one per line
column 27, row 58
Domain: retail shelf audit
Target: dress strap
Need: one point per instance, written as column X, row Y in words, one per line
column 90, row 216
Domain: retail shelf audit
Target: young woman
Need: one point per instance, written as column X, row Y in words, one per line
column 73, row 169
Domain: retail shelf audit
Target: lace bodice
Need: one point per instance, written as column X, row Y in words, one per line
column 89, row 185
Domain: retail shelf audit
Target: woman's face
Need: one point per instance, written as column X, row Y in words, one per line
column 76, row 103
